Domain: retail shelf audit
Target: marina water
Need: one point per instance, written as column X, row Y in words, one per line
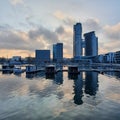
column 86, row 96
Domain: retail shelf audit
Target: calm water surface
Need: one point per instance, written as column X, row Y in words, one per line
column 87, row 96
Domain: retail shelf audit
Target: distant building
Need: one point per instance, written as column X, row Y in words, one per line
column 109, row 57
column 77, row 40
column 42, row 56
column 91, row 44
column 15, row 60
column 117, row 57
column 99, row 58
column 58, row 52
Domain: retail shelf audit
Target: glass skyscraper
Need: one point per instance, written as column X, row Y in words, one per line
column 91, row 44
column 58, row 52
column 77, row 40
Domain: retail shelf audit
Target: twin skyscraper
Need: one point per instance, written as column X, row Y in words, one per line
column 84, row 47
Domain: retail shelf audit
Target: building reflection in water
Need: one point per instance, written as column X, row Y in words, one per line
column 114, row 74
column 35, row 75
column 72, row 76
column 7, row 72
column 91, row 83
column 59, row 78
column 50, row 76
column 30, row 76
column 78, row 84
column 117, row 74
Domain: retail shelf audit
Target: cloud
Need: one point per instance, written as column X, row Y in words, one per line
column 59, row 15
column 60, row 30
column 37, row 38
column 5, row 27
column 92, row 25
column 66, row 36
column 106, row 48
column 14, row 52
column 12, row 40
column 60, row 34
column 69, row 21
column 47, row 35
column 18, row 40
column 109, row 39
column 15, row 2
column 112, row 32
column 65, row 18
column 18, row 43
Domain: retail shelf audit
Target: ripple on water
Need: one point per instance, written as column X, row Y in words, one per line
column 58, row 98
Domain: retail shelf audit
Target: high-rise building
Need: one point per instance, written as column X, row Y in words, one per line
column 42, row 56
column 77, row 40
column 91, row 44
column 58, row 52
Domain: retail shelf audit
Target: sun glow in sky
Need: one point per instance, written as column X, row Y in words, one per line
column 27, row 25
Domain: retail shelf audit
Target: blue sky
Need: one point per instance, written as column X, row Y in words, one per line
column 26, row 25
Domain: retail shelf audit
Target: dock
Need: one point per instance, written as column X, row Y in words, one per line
column 33, row 69
column 71, row 69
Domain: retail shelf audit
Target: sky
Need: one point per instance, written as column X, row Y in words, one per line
column 27, row 25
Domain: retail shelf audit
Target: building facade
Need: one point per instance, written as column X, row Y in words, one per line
column 91, row 44
column 77, row 40
column 58, row 52
column 109, row 57
column 42, row 56
column 117, row 57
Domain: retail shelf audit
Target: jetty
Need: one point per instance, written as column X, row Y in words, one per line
column 73, row 69
column 70, row 68
column 33, row 69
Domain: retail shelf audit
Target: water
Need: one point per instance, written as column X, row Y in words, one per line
column 87, row 96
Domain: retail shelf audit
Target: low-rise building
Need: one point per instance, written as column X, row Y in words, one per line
column 117, row 57
column 42, row 56
column 58, row 52
column 109, row 57
column 15, row 60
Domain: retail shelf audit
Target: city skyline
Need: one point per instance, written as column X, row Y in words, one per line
column 27, row 25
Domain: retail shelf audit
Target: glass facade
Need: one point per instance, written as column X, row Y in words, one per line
column 77, row 40
column 58, row 52
column 91, row 44
column 42, row 56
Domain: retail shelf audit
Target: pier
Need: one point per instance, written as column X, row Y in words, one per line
column 72, row 68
